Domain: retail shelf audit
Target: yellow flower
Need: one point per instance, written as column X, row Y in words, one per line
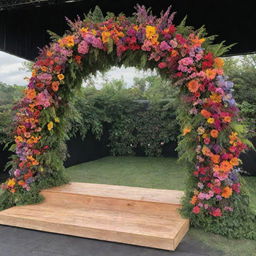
column 234, row 161
column 94, row 32
column 215, row 97
column 69, row 41
column 150, row 31
column 57, row 120
column 205, row 135
column 60, row 76
column 84, row 30
column 200, row 130
column 18, row 139
column 186, row 131
column 50, row 125
column 105, row 36
column 210, row 120
column 11, row 182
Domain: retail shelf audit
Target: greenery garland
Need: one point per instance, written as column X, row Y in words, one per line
column 211, row 139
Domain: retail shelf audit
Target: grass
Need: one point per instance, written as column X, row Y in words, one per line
column 165, row 173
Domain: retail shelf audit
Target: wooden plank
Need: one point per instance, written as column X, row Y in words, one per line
column 123, row 205
column 115, row 221
column 121, row 192
column 139, row 216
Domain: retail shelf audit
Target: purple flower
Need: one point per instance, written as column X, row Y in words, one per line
column 218, row 197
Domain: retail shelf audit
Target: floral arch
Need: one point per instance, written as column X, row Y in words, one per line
column 210, row 143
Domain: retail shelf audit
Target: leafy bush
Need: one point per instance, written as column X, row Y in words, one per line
column 8, row 96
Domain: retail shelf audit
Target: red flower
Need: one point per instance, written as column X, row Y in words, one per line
column 217, row 190
column 172, row 29
column 217, row 212
column 162, row 65
column 196, row 209
column 236, row 187
column 78, row 59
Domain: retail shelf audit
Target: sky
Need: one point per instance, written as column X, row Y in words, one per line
column 12, row 72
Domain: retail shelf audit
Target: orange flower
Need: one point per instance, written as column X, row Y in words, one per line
column 205, row 113
column 49, row 53
column 225, row 166
column 186, row 131
column 219, row 62
column 227, row 192
column 105, row 36
column 234, row 161
column 214, row 133
column 193, row 200
column 227, row 119
column 174, row 53
column 210, row 120
column 215, row 159
column 21, row 182
column 193, row 86
column 44, row 68
column 210, row 73
column 197, row 42
column 60, row 76
column 30, row 93
column 55, row 86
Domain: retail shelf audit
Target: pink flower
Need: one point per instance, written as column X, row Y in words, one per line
column 173, row 43
column 186, row 61
column 43, row 98
column 44, row 77
column 164, row 46
column 83, row 47
column 146, row 46
column 207, row 141
column 17, row 173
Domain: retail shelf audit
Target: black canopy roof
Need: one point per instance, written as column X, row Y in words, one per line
column 23, row 24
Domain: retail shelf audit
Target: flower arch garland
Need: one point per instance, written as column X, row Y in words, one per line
column 210, row 143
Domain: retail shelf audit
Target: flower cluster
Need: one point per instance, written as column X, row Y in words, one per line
column 198, row 72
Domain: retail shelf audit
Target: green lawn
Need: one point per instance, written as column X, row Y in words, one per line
column 163, row 173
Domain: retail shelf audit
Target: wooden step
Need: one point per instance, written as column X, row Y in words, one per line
column 122, row 198
column 139, row 216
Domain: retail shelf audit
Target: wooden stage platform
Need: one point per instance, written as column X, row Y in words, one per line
column 138, row 216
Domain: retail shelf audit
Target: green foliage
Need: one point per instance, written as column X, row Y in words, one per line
column 132, row 123
column 9, row 95
column 242, row 72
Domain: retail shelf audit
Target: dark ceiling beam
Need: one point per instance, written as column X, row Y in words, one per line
column 23, row 28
